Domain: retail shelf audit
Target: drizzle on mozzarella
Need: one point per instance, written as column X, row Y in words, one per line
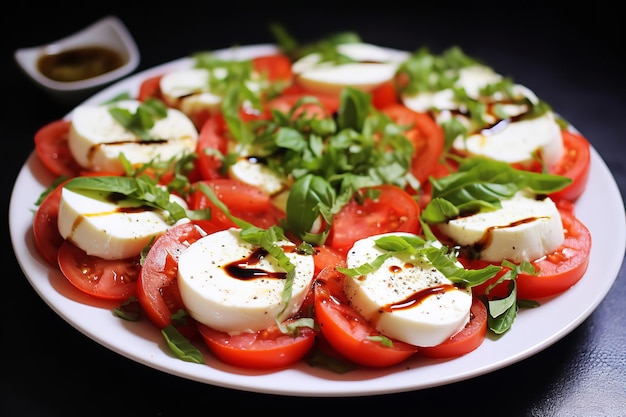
column 188, row 90
column 524, row 229
column 510, row 138
column 97, row 140
column 102, row 228
column 233, row 286
column 406, row 299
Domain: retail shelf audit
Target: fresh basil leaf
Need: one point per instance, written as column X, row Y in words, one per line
column 180, row 346
column 306, row 197
column 138, row 192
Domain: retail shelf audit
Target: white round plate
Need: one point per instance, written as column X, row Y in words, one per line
column 533, row 330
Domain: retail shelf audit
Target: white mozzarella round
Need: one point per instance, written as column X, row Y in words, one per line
column 188, row 91
column 259, row 175
column 374, row 66
column 236, row 302
column 471, row 79
column 524, row 229
column 104, row 229
column 518, row 142
column 433, row 309
column 97, row 140
column 512, row 141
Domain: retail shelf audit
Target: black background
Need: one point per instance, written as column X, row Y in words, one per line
column 569, row 55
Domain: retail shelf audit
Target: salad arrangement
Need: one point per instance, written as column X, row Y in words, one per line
column 335, row 202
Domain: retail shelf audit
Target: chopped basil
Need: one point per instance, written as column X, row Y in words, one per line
column 128, row 192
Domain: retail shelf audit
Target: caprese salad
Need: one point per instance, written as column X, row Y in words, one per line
column 336, row 202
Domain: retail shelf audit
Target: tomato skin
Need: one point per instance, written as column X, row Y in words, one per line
column 51, row 146
column 465, row 341
column 347, row 332
column 100, row 278
column 575, row 164
column 394, row 210
column 557, row 271
column 265, row 349
column 276, row 67
column 385, row 95
column 157, row 285
column 426, row 136
column 211, row 139
column 244, row 201
column 45, row 229
column 328, row 104
column 150, row 88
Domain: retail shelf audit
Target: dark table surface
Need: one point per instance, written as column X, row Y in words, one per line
column 569, row 58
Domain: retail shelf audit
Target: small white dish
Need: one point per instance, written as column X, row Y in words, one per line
column 106, row 35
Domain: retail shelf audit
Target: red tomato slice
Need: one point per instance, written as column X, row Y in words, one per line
column 45, row 228
column 328, row 104
column 276, row 67
column 426, row 136
column 385, row 95
column 265, row 349
column 348, row 332
column 244, row 201
column 394, row 210
column 212, row 144
column 100, row 278
column 157, row 286
column 575, row 164
column 557, row 271
column 465, row 341
column 150, row 88
column 53, row 150
column 325, row 256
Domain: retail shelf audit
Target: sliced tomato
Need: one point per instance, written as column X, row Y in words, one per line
column 393, row 210
column 244, row 201
column 45, row 228
column 264, row 349
column 556, row 272
column 385, row 95
column 325, row 256
column 426, row 136
column 150, row 88
column 212, row 145
column 276, row 67
column 348, row 332
column 465, row 341
column 157, row 286
column 51, row 146
column 574, row 164
column 327, row 104
column 100, row 278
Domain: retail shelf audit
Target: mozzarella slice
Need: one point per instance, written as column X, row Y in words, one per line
column 374, row 66
column 102, row 228
column 406, row 299
column 471, row 79
column 232, row 286
column 188, row 91
column 97, row 140
column 257, row 174
column 508, row 140
column 524, row 229
column 519, row 142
